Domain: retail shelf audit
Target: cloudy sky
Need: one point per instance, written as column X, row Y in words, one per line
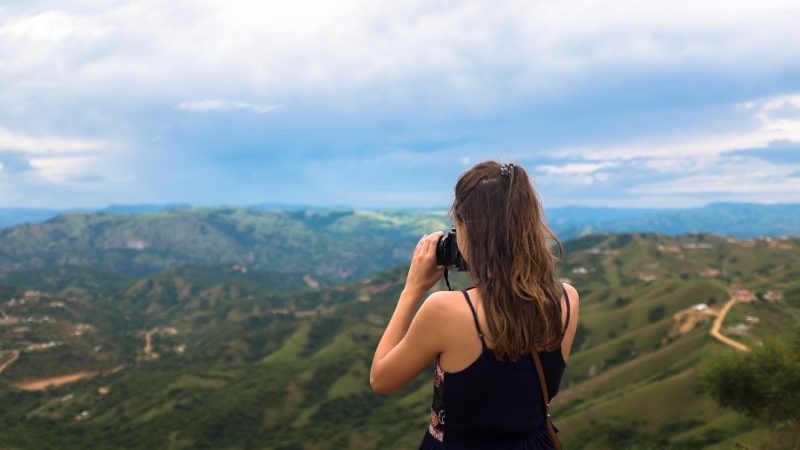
column 383, row 104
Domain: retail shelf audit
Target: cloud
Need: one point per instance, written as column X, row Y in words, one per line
column 779, row 151
column 781, row 103
column 585, row 173
column 62, row 169
column 741, row 176
column 53, row 26
column 702, row 164
column 52, row 159
column 23, row 143
column 575, row 168
column 387, row 53
column 589, row 79
column 772, row 120
column 212, row 105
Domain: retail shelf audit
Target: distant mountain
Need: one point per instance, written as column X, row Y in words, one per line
column 239, row 366
column 16, row 216
column 330, row 244
column 743, row 220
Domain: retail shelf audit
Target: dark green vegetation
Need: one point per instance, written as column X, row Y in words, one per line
column 763, row 384
column 632, row 383
column 328, row 245
column 273, row 362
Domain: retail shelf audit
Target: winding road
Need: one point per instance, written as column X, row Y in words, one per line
column 686, row 319
column 14, row 357
column 148, row 343
column 718, row 324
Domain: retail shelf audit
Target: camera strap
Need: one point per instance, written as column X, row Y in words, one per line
column 447, row 280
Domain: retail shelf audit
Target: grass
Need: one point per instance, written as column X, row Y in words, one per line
column 253, row 379
column 291, row 347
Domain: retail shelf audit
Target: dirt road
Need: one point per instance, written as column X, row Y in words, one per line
column 148, row 343
column 718, row 323
column 14, row 357
column 685, row 320
column 44, row 383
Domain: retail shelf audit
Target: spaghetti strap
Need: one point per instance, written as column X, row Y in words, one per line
column 566, row 323
column 479, row 406
column 474, row 316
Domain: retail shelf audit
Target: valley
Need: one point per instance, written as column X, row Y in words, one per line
column 210, row 355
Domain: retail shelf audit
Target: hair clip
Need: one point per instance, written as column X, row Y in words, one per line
column 505, row 169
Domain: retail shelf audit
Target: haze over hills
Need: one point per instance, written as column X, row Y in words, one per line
column 191, row 351
column 743, row 220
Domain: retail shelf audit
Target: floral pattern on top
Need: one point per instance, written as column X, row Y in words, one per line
column 436, row 426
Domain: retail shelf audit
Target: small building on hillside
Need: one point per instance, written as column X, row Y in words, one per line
column 740, row 329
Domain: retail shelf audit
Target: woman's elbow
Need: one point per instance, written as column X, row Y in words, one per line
column 379, row 387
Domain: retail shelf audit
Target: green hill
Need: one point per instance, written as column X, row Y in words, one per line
column 335, row 245
column 273, row 363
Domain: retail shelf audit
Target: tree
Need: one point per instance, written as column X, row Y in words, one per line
column 763, row 384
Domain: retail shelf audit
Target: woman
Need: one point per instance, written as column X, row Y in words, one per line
column 486, row 390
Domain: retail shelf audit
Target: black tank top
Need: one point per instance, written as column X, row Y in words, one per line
column 493, row 404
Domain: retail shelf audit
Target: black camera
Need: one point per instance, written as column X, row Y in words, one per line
column 447, row 253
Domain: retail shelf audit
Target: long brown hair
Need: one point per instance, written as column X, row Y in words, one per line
column 509, row 258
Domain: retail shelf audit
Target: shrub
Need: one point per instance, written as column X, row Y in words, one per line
column 761, row 384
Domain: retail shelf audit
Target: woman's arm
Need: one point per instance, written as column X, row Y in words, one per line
column 409, row 342
column 398, row 324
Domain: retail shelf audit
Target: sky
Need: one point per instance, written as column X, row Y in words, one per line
column 370, row 104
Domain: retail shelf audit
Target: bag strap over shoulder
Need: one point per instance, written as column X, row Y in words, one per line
column 546, row 401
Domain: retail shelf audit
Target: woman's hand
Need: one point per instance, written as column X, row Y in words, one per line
column 423, row 273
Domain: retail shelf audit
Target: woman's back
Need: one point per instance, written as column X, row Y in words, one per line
column 501, row 238
column 489, row 403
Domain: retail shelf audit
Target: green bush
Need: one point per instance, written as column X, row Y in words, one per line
column 657, row 313
column 761, row 384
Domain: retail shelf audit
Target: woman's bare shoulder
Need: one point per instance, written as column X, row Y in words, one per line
column 572, row 292
column 446, row 300
column 574, row 301
column 572, row 326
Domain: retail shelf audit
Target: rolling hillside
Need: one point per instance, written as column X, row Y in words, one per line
column 216, row 358
column 332, row 245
